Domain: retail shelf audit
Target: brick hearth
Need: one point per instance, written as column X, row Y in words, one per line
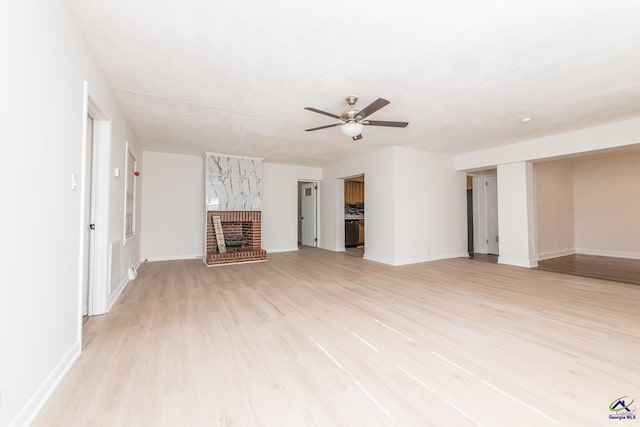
column 247, row 224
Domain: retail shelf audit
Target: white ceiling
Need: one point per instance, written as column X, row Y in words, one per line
column 233, row 77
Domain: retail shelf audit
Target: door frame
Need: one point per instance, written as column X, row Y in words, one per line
column 100, row 256
column 480, row 211
column 299, row 199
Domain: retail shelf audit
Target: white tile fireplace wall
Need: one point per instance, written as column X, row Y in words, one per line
column 233, row 183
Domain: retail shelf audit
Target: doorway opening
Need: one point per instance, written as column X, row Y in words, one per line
column 482, row 216
column 308, row 213
column 354, row 213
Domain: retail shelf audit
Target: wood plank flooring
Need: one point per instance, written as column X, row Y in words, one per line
column 316, row 338
column 600, row 267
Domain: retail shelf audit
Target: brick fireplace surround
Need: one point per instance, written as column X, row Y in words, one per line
column 247, row 224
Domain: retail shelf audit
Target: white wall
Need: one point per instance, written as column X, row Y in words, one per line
column 172, row 206
column 379, row 204
column 41, row 108
column 607, row 206
column 415, row 206
column 431, row 207
column 516, row 215
column 280, row 204
column 554, row 208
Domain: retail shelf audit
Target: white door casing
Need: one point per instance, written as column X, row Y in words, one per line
column 485, row 214
column 89, row 222
column 95, row 167
column 491, row 214
column 309, row 214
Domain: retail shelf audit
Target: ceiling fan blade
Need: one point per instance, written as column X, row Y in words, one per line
column 324, row 127
column 385, row 123
column 315, row 110
column 373, row 107
column 355, row 138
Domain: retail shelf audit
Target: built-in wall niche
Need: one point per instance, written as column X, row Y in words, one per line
column 233, row 193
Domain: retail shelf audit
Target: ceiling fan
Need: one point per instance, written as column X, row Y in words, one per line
column 353, row 120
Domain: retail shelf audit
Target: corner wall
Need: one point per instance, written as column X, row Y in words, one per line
column 280, row 204
column 606, row 194
column 172, row 206
column 415, row 206
column 378, row 199
column 431, row 207
column 554, row 209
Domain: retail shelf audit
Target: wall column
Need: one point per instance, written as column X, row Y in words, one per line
column 516, row 215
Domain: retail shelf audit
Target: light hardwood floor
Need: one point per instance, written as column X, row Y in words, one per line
column 319, row 338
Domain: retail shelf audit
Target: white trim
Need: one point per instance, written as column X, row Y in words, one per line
column 555, row 254
column 127, row 154
column 172, row 257
column 291, row 249
column 120, row 288
column 430, row 258
column 102, row 152
column 83, row 232
column 30, row 411
column 318, row 206
column 335, row 249
column 378, row 259
column 116, row 294
column 518, row 262
column 605, row 252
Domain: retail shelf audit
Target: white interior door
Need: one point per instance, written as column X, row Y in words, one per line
column 491, row 206
column 89, row 189
column 308, row 214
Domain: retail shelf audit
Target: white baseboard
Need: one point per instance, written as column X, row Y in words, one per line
column 604, row 252
column 408, row 261
column 116, row 294
column 517, row 262
column 37, row 401
column 172, row 257
column 334, row 249
column 378, row 259
column 275, row 251
column 555, row 254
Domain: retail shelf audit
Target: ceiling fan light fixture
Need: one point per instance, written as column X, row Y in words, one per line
column 352, row 129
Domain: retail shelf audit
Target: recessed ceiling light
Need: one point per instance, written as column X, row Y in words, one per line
column 526, row 120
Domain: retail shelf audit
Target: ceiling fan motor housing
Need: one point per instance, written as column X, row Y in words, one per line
column 351, row 114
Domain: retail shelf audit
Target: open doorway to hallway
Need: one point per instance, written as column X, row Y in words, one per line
column 308, row 213
column 354, row 212
column 482, row 216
